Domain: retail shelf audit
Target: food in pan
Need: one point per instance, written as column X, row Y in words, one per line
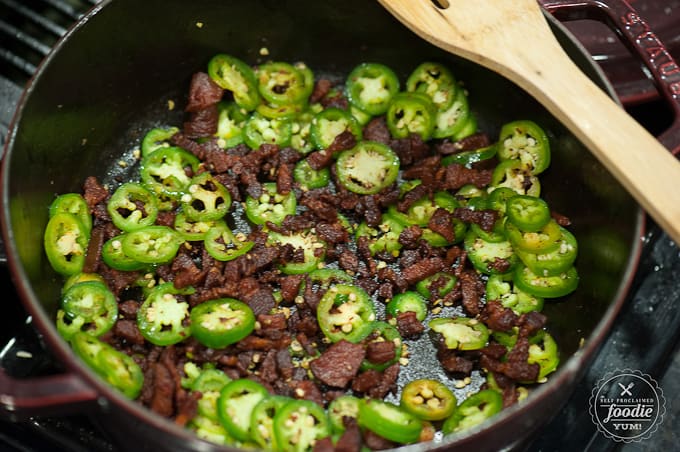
column 266, row 275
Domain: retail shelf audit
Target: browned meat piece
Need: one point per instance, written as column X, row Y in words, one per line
column 531, row 322
column 375, row 442
column 321, row 89
column 320, row 206
column 562, row 220
column 376, row 130
column 348, row 260
column 380, row 352
column 186, row 272
column 163, row 391
column 128, row 309
column 497, row 317
column 307, row 390
column 127, row 329
column 203, row 92
column 344, row 140
column 267, row 370
column 409, row 238
column 324, row 445
column 454, row 364
column 441, row 222
column 333, row 233
column 408, row 325
column 339, row 364
column 290, row 287
column 94, row 192
column 471, row 291
column 494, row 350
column 426, row 170
column 94, row 250
column 458, row 175
column 202, row 123
column 350, row 440
column 387, row 382
column 423, row 269
column 320, row 159
column 485, row 218
column 261, row 302
column 410, row 149
column 470, row 143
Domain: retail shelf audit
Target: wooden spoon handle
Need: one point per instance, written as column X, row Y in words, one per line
column 514, row 39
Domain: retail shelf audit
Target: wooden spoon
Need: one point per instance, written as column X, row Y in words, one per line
column 513, row 38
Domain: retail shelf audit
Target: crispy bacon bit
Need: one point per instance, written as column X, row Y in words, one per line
column 339, row 364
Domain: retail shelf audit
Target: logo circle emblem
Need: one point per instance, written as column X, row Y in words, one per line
column 627, row 405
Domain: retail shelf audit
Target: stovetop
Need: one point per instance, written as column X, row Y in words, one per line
column 646, row 335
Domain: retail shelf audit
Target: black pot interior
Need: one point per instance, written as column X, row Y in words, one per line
column 112, row 80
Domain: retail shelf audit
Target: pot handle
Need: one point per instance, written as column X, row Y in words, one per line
column 640, row 39
column 59, row 394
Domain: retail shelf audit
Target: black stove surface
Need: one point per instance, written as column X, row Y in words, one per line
column 645, row 336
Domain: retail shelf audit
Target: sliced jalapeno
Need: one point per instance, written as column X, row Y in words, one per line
column 262, row 421
column 235, row 406
column 75, row 204
column 270, row 206
column 281, row 83
column 473, row 411
column 313, row 250
column 546, row 286
column 553, row 262
column 259, row 130
column 230, row 123
column 223, row 245
column 221, row 322
column 543, row 351
column 528, row 213
column 451, row 121
column 511, row 296
column 341, row 407
column 383, row 332
column 88, row 307
column 346, row 312
column 490, row 257
column 205, row 199
column 527, row 142
column 511, row 174
column 157, row 138
column 309, row 178
column 461, row 333
column 544, row 240
column 65, row 242
column 371, row 86
column 163, row 318
column 232, row 74
column 435, row 80
column 429, row 400
column 389, row 421
column 164, row 171
column 469, row 158
column 151, row 244
column 132, row 207
column 411, row 113
column 115, row 257
column 368, row 168
column 408, row 301
column 331, row 122
column 436, row 286
column 299, row 424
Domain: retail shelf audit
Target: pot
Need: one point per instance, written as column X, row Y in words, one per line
column 111, row 78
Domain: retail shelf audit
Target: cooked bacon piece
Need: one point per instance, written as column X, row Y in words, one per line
column 94, row 250
column 441, row 222
column 410, row 149
column 350, row 440
column 323, row 445
column 376, row 130
column 203, row 93
column 485, row 218
column 421, row 270
column 338, row 364
column 344, row 140
column 202, row 123
column 290, row 287
column 127, row 330
column 307, row 390
column 531, row 322
column 408, row 325
column 472, row 290
column 380, row 352
column 321, row 88
column 375, row 442
column 458, row 175
column 497, row 317
column 94, row 192
column 470, row 143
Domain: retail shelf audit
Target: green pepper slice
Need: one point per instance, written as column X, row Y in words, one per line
column 115, row 257
column 384, row 238
column 511, row 296
column 262, row 421
column 429, row 400
column 498, row 199
column 205, row 199
column 345, row 312
column 451, row 121
column 469, row 158
column 270, row 206
column 367, row 168
column 309, row 178
column 553, row 262
column 235, row 406
column 383, row 332
column 411, row 113
column 132, row 207
column 543, row 351
column 436, row 286
column 544, row 240
column 152, row 244
column 341, row 407
column 527, row 142
column 512, row 174
column 299, row 424
column 435, row 80
column 223, row 245
column 81, row 277
column 164, row 171
column 89, row 307
column 528, row 213
column 75, row 204
column 230, row 124
column 259, row 130
column 65, row 241
column 389, row 421
column 116, row 368
column 232, row 74
column 331, row 122
column 408, row 301
column 473, row 411
column 209, row 383
column 281, row 83
column 461, row 333
column 546, row 286
column 313, row 250
column 484, row 254
column 163, row 319
column 221, row 322
column 370, row 87
column 157, row 138
column 193, row 231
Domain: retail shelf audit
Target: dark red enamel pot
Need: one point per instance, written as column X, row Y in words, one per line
column 111, row 78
